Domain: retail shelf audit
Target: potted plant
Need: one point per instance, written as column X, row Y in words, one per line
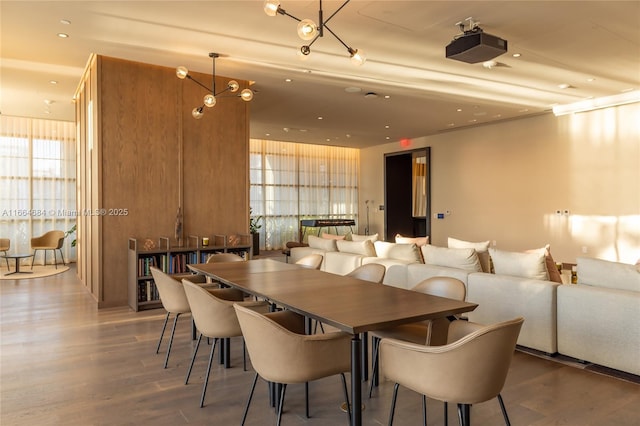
column 254, row 228
column 69, row 232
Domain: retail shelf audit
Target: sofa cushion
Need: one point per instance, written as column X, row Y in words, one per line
column 341, row 263
column 482, row 248
column 364, row 248
column 525, row 265
column 332, row 236
column 604, row 273
column 356, row 237
column 461, row 258
column 408, row 252
column 321, row 243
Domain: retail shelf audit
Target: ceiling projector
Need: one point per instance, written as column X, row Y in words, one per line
column 475, row 46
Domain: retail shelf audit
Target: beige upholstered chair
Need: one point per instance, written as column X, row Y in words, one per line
column 51, row 240
column 471, row 369
column 215, row 317
column 281, row 353
column 373, row 272
column 5, row 245
column 431, row 332
column 174, row 300
column 224, row 257
column 311, row 261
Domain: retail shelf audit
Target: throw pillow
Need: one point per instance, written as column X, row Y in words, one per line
column 461, row 258
column 408, row 252
column 332, row 236
column 482, row 248
column 419, row 241
column 356, row 237
column 604, row 273
column 321, row 243
column 364, row 248
column 527, row 265
column 552, row 269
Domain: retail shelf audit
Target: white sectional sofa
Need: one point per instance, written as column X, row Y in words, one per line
column 597, row 320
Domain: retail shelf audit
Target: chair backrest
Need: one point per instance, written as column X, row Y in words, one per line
column 373, row 272
column 311, row 261
column 5, row 244
column 449, row 287
column 224, row 257
column 284, row 356
column 214, row 317
column 51, row 240
column 171, row 292
column 470, row 370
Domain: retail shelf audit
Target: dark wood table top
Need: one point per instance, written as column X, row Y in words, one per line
column 349, row 304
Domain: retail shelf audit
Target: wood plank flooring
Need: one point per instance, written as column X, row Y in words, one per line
column 64, row 362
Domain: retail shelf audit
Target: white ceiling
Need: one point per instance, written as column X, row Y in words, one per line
column 593, row 46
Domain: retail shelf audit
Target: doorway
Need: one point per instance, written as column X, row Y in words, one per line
column 407, row 194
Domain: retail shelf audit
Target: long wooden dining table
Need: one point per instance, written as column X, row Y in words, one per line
column 348, row 304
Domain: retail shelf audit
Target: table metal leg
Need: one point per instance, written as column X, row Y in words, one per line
column 356, row 385
column 365, row 356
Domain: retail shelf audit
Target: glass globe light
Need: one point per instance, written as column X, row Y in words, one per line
column 271, row 7
column 182, row 72
column 307, row 29
column 358, row 57
column 197, row 113
column 209, row 100
column 233, row 86
column 246, row 95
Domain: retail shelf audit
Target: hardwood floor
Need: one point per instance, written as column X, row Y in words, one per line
column 64, row 362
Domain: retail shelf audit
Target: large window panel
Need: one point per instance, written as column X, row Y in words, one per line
column 37, row 181
column 291, row 181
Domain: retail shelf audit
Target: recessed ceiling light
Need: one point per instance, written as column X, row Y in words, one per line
column 387, row 138
column 564, row 85
column 472, row 120
column 48, row 101
column 517, row 55
column 328, row 140
column 459, row 110
column 497, row 116
column 320, row 118
column 451, row 124
column 386, row 126
column 267, row 134
column 348, row 135
column 591, row 80
column 65, row 21
column 53, row 82
column 387, row 96
column 63, row 35
column 288, row 80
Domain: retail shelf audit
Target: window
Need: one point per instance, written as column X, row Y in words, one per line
column 37, row 180
column 293, row 181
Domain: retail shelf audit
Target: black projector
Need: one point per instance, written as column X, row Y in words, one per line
column 474, row 47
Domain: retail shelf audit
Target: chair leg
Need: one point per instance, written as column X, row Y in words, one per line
column 284, row 389
column 374, row 367
column 244, row 355
column 306, row 399
column 346, row 395
column 504, row 411
column 446, row 414
column 193, row 358
column 7, row 261
column 393, row 403
column 173, row 330
column 33, row 258
column 164, row 326
column 424, row 410
column 62, row 257
column 45, row 258
column 464, row 414
column 206, row 377
column 246, row 408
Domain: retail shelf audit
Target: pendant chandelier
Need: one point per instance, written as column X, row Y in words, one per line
column 209, row 99
column 308, row 30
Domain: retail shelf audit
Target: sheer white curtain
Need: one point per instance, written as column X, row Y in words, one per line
column 37, row 181
column 293, row 181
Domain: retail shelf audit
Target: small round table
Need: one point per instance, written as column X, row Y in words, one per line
column 17, row 258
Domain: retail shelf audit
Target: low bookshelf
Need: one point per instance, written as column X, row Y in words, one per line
column 145, row 253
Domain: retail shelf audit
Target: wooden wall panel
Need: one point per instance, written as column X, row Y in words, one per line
column 149, row 157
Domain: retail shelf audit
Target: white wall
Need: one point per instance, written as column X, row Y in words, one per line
column 504, row 183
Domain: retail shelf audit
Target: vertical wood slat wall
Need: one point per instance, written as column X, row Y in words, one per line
column 149, row 157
